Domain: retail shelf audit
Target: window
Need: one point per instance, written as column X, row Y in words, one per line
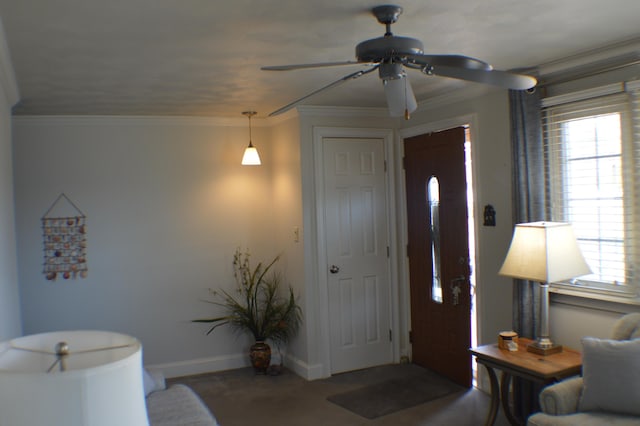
column 592, row 155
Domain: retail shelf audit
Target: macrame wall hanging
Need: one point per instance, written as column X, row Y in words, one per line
column 65, row 242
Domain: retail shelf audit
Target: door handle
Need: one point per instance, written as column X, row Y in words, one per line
column 456, row 290
column 458, row 279
column 334, row 269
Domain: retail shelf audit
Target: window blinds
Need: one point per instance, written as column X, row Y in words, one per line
column 592, row 150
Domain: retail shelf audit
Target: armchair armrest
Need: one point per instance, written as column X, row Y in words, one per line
column 562, row 397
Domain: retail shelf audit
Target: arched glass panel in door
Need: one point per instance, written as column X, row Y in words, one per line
column 433, row 198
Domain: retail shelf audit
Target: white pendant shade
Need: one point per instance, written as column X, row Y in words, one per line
column 101, row 384
column 251, row 157
column 400, row 96
column 545, row 252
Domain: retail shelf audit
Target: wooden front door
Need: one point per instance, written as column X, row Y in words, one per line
column 439, row 253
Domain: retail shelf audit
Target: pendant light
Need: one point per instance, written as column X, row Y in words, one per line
column 251, row 156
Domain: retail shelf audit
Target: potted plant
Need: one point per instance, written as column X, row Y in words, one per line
column 258, row 308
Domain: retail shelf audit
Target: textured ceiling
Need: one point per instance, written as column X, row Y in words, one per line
column 203, row 57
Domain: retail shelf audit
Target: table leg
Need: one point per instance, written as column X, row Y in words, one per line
column 505, row 382
column 495, row 396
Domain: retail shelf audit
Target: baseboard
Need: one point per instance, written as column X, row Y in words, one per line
column 303, row 369
column 231, row 362
column 201, row 365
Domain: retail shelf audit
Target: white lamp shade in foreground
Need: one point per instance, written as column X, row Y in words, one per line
column 545, row 252
column 101, row 385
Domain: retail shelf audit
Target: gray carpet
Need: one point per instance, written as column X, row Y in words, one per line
column 241, row 397
column 389, row 396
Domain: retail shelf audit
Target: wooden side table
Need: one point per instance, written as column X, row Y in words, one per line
column 527, row 365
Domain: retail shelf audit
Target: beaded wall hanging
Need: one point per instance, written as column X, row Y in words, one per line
column 65, row 242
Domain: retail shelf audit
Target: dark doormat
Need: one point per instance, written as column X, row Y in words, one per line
column 396, row 394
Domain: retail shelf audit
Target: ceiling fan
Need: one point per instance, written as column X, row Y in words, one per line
column 391, row 54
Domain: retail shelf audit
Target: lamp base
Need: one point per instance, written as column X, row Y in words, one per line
column 543, row 350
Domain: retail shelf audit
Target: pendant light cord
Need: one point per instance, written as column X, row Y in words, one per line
column 249, row 114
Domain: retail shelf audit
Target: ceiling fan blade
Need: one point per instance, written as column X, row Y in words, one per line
column 351, row 76
column 305, row 66
column 503, row 79
column 447, row 61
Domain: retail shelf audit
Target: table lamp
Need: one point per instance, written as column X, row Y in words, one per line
column 72, row 378
column 544, row 252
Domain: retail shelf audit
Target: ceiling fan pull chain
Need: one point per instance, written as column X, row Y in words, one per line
column 407, row 116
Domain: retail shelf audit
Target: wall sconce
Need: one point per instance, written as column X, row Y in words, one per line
column 251, row 156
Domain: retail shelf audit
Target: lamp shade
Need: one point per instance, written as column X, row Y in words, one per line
column 251, row 156
column 544, row 252
column 98, row 382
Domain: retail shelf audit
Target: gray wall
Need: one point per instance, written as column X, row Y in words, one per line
column 167, row 203
column 10, row 325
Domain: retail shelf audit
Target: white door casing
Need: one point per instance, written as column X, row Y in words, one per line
column 357, row 253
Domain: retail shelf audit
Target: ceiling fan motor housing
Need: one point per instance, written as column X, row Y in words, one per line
column 388, row 49
column 391, row 71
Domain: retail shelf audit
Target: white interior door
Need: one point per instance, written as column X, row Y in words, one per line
column 357, row 253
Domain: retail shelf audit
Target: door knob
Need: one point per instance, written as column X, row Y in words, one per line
column 334, row 269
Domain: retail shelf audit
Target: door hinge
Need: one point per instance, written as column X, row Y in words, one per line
column 404, row 163
column 388, row 252
column 407, row 250
column 390, row 335
column 410, row 336
column 385, row 166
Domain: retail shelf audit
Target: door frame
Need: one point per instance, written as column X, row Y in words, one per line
column 322, row 291
column 401, row 206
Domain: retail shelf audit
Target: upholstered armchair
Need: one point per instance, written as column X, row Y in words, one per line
column 608, row 393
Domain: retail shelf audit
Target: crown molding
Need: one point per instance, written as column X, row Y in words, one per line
column 280, row 118
column 625, row 48
column 121, row 120
column 437, row 101
column 466, row 93
column 332, row 111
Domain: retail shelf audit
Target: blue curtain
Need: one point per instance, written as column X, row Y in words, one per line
column 530, row 205
column 529, row 198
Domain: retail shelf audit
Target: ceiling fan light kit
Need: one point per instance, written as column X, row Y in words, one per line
column 400, row 98
column 391, row 54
